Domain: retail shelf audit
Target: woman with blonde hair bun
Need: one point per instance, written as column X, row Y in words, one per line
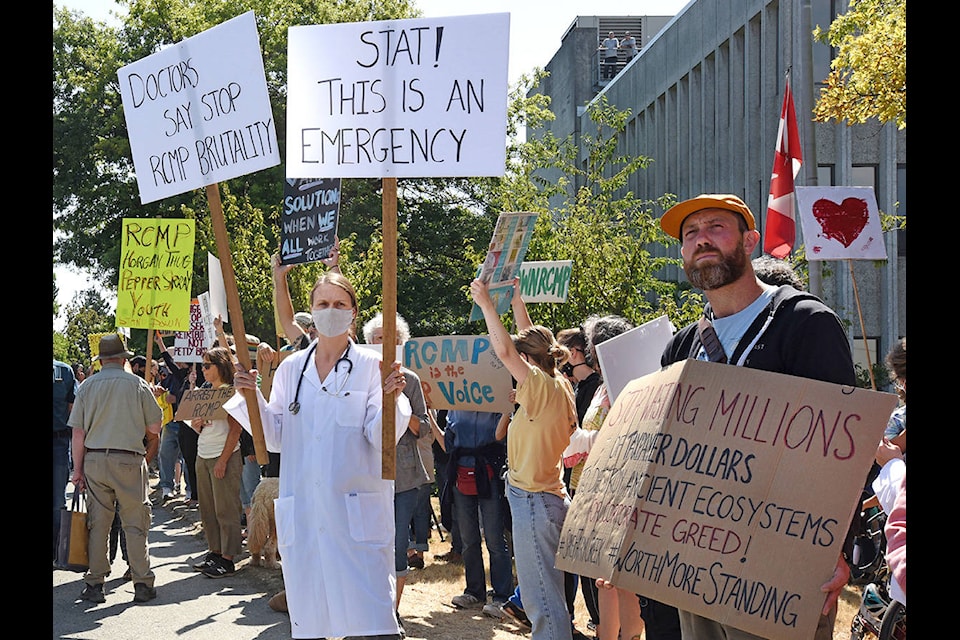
column 538, row 433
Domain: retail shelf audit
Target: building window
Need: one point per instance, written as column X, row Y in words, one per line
column 864, row 175
column 822, row 15
column 825, row 175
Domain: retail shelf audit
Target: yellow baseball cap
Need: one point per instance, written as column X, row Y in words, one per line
column 673, row 218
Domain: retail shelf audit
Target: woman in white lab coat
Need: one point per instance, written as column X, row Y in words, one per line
column 334, row 512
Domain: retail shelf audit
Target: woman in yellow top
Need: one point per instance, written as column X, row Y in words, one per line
column 538, row 433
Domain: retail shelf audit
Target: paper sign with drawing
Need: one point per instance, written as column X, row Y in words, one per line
column 841, row 222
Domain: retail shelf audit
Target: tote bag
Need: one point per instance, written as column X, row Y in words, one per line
column 72, row 552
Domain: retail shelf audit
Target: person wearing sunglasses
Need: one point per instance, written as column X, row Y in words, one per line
column 218, row 466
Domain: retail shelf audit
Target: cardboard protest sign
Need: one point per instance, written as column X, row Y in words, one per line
column 725, row 491
column 545, row 281
column 203, row 403
column 633, row 354
column 459, row 372
column 398, row 98
column 508, row 246
column 198, row 111
column 310, row 216
column 156, row 273
column 841, row 222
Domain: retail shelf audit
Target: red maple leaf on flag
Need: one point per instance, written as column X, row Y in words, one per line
column 781, row 229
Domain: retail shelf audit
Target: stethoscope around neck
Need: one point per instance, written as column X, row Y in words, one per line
column 345, row 358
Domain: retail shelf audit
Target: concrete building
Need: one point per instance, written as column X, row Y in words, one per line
column 705, row 93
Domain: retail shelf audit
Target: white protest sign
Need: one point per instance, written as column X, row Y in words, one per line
column 206, row 316
column 189, row 346
column 198, row 111
column 840, row 223
column 378, row 348
column 398, row 98
column 633, row 354
column 218, row 291
column 545, row 281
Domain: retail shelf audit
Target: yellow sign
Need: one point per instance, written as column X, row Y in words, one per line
column 156, row 273
column 93, row 339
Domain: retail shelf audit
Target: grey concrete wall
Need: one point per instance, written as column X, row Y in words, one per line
column 705, row 96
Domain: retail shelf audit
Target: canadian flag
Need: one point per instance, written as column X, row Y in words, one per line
column 780, row 231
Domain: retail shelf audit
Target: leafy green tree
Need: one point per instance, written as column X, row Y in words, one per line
column 605, row 230
column 868, row 77
column 87, row 314
column 94, row 187
column 443, row 225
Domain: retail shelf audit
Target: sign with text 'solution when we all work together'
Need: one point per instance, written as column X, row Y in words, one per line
column 398, row 98
column 725, row 491
column 309, row 219
column 156, row 273
column 198, row 111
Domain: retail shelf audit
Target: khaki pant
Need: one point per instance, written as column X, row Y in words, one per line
column 220, row 505
column 117, row 478
column 694, row 626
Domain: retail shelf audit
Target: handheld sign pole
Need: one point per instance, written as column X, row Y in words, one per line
column 236, row 316
column 388, row 456
column 863, row 329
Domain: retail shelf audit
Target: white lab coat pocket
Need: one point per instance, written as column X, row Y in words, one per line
column 286, row 526
column 370, row 517
column 351, row 411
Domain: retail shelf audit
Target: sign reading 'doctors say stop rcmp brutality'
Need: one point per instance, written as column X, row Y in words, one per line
column 725, row 491
column 398, row 98
column 198, row 111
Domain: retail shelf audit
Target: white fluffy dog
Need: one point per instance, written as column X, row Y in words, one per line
column 261, row 525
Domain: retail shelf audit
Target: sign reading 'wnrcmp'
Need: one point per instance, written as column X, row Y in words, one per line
column 459, row 372
column 198, row 111
column 308, row 226
column 725, row 491
column 398, row 98
column 545, row 281
column 156, row 273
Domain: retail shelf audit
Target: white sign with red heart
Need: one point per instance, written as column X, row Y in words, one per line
column 840, row 223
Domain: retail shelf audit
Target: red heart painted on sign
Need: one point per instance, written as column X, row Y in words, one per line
column 841, row 222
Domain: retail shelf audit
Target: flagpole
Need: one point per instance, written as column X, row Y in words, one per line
column 780, row 231
column 808, row 140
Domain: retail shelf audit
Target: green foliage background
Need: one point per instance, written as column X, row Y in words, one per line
column 444, row 226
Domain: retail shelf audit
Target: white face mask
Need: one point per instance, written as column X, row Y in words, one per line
column 332, row 322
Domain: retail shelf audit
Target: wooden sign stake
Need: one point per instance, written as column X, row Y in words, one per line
column 388, row 457
column 236, row 316
column 863, row 330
